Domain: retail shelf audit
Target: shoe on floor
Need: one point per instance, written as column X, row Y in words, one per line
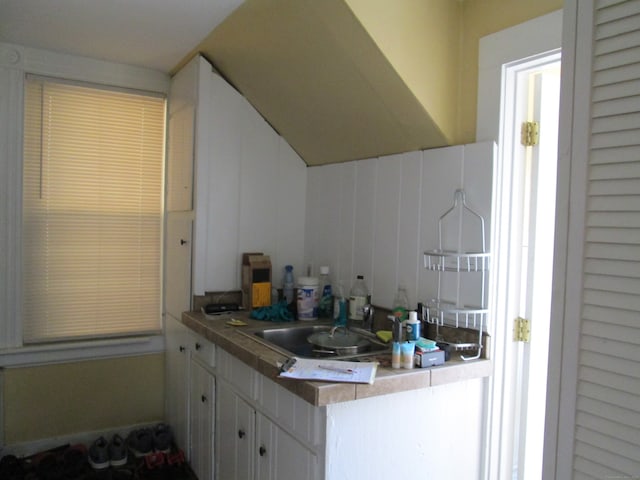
column 162, row 438
column 140, row 442
column 117, row 451
column 99, row 454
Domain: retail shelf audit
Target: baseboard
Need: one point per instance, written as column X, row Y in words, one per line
column 26, row 449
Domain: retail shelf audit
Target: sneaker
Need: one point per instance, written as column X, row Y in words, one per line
column 99, row 454
column 117, row 451
column 140, row 442
column 162, row 438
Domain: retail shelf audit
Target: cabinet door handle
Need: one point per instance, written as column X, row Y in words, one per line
column 263, row 451
column 182, row 349
column 203, row 398
column 183, row 242
column 198, row 346
column 241, row 433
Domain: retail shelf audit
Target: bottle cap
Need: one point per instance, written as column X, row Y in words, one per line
column 413, row 316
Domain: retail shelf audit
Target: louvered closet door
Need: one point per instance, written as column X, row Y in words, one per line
column 606, row 432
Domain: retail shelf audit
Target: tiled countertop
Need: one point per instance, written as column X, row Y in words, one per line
column 266, row 360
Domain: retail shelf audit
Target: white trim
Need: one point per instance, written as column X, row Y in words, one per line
column 25, row 449
column 573, row 152
column 75, row 351
column 71, row 67
column 510, row 46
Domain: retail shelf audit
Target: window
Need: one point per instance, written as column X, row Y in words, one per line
column 92, row 211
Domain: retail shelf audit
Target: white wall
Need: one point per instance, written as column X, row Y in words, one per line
column 376, row 217
column 437, row 433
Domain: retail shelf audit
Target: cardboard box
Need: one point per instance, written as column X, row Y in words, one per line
column 428, row 359
column 256, row 280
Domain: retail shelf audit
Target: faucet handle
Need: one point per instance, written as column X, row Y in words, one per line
column 368, row 312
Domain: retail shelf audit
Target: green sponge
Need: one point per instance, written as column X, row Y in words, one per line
column 425, row 343
column 384, row 335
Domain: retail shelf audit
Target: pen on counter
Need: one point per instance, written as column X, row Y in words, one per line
column 336, row 369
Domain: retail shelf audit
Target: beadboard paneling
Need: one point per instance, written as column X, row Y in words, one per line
column 376, row 217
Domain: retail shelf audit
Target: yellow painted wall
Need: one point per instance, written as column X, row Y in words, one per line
column 421, row 39
column 434, row 44
column 481, row 18
column 62, row 399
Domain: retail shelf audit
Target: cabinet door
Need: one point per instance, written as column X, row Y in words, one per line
column 202, row 416
column 236, row 436
column 177, row 381
column 279, row 455
column 177, row 272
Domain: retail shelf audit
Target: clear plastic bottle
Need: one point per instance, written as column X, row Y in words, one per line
column 358, row 298
column 287, row 284
column 339, row 307
column 325, row 309
column 400, row 306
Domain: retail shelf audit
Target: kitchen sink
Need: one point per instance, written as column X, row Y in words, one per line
column 293, row 340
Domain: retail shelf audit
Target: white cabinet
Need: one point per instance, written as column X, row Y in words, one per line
column 252, row 446
column 218, row 147
column 190, row 395
column 202, row 395
column 235, row 435
column 177, row 381
column 280, row 455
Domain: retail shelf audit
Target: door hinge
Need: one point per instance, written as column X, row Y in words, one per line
column 529, row 133
column 521, row 330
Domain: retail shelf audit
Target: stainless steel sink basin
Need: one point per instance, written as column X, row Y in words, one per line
column 292, row 340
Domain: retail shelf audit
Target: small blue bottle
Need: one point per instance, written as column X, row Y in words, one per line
column 287, row 284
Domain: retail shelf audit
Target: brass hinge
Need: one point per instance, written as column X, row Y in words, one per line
column 530, row 133
column 521, row 330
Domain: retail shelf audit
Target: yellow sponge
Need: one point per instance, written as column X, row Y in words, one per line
column 384, row 335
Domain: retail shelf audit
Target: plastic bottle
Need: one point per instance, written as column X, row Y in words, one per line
column 325, row 309
column 308, row 298
column 413, row 327
column 287, row 284
column 339, row 307
column 396, row 359
column 358, row 298
column 400, row 305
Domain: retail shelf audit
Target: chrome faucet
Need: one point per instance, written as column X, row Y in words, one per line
column 367, row 320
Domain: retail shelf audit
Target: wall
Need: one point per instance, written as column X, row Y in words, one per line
column 376, row 217
column 402, row 29
column 480, row 18
column 64, row 399
column 434, row 47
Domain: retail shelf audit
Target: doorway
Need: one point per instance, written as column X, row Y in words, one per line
column 523, row 85
column 524, row 256
column 537, row 96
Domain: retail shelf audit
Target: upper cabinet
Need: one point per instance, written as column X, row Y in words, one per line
column 244, row 186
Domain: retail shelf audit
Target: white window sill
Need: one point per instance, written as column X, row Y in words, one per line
column 78, row 351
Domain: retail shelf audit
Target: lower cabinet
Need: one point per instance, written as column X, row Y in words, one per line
column 232, row 422
column 190, row 395
column 201, row 421
column 251, row 446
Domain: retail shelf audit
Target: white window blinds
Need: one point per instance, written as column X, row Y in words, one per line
column 92, row 211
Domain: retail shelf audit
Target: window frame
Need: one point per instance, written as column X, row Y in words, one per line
column 16, row 62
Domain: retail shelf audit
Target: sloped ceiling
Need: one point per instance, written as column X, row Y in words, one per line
column 319, row 77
